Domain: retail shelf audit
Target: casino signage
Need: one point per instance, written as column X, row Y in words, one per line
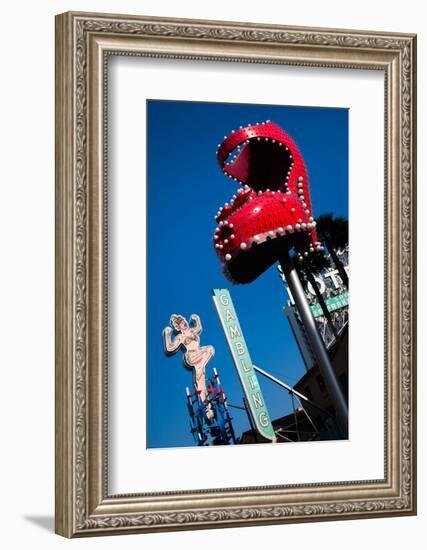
column 336, row 297
column 242, row 360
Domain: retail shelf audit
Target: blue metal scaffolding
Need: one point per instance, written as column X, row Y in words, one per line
column 215, row 428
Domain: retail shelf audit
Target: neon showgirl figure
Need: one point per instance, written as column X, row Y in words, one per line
column 196, row 357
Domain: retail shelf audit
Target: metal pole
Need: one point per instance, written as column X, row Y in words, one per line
column 316, row 342
column 309, row 417
column 279, row 434
column 292, row 390
column 295, row 416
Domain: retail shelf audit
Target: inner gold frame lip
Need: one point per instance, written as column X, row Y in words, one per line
column 81, row 191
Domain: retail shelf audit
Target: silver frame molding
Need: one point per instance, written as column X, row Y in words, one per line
column 83, row 43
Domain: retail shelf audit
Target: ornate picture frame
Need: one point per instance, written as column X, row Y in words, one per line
column 84, row 42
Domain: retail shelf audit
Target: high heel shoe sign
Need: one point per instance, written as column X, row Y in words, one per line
column 271, row 211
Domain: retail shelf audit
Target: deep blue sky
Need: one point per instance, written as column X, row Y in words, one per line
column 185, row 189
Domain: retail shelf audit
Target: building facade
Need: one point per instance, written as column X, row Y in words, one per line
column 336, row 298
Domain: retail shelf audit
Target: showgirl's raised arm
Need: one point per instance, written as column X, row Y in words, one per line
column 171, row 346
column 197, row 323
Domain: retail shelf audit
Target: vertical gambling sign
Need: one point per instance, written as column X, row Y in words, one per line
column 242, row 360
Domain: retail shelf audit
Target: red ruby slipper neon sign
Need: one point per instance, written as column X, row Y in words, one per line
column 272, row 210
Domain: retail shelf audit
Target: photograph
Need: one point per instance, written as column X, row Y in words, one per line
column 247, row 273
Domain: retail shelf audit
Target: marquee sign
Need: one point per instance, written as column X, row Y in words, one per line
column 242, row 360
column 333, row 303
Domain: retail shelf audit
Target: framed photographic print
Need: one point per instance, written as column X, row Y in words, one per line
column 218, row 185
